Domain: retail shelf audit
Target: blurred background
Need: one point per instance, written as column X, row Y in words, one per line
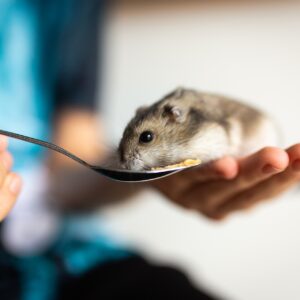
column 246, row 49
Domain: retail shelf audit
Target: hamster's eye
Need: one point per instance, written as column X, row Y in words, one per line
column 146, row 137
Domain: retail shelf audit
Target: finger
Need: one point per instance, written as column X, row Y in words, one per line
column 9, row 193
column 268, row 189
column 6, row 159
column 223, row 168
column 253, row 169
column 3, row 143
column 261, row 165
column 5, row 165
column 294, row 155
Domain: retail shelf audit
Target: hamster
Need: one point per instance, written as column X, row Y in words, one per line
column 187, row 124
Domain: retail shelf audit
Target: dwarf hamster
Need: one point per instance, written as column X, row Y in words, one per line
column 187, row 124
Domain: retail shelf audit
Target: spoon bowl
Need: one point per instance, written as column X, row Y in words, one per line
column 135, row 176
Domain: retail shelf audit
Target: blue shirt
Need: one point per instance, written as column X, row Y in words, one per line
column 24, row 101
column 48, row 58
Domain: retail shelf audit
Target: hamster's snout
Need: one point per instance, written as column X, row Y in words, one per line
column 134, row 164
column 131, row 161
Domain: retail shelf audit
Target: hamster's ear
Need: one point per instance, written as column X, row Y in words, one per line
column 174, row 113
column 178, row 93
column 141, row 109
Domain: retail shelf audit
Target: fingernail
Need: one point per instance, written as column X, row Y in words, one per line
column 3, row 142
column 7, row 160
column 296, row 165
column 14, row 184
column 268, row 169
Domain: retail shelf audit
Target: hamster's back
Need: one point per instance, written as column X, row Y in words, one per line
column 245, row 124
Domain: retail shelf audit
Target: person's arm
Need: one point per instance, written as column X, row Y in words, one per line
column 10, row 183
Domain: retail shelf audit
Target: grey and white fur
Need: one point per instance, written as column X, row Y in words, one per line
column 190, row 124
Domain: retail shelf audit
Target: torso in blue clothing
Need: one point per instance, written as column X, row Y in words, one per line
column 25, row 101
column 31, row 64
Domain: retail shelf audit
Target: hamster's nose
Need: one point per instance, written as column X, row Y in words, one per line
column 135, row 164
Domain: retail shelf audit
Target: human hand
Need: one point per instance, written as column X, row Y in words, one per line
column 228, row 184
column 10, row 183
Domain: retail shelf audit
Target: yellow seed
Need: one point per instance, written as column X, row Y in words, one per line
column 186, row 163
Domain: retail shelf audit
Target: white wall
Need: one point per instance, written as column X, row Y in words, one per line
column 250, row 51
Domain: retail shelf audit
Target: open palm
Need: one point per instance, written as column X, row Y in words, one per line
column 229, row 184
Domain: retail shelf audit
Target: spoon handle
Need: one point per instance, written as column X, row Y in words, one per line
column 46, row 145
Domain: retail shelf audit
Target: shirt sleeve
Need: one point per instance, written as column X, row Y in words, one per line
column 78, row 55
